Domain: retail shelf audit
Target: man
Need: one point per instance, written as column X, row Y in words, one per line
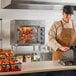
column 62, row 33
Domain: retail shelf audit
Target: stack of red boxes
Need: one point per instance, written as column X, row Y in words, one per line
column 8, row 62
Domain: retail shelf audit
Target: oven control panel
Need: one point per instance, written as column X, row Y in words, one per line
column 42, row 35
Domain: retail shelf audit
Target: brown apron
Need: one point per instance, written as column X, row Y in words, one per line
column 66, row 38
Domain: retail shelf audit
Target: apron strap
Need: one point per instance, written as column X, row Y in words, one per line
column 62, row 24
column 73, row 25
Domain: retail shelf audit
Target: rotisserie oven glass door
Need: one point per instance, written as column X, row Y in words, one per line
column 27, row 34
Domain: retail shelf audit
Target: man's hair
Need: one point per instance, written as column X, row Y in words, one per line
column 68, row 9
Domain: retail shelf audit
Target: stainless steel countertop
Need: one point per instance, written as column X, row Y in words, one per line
column 42, row 66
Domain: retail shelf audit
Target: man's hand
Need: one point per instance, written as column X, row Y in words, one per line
column 64, row 48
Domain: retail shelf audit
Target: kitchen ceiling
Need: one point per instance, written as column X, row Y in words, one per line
column 37, row 4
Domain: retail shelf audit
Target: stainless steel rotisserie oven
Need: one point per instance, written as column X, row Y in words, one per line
column 27, row 32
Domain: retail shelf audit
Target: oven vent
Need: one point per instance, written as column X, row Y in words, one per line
column 36, row 4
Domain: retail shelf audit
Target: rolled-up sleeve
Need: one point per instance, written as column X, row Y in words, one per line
column 52, row 37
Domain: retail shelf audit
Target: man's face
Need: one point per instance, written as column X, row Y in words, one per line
column 67, row 17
